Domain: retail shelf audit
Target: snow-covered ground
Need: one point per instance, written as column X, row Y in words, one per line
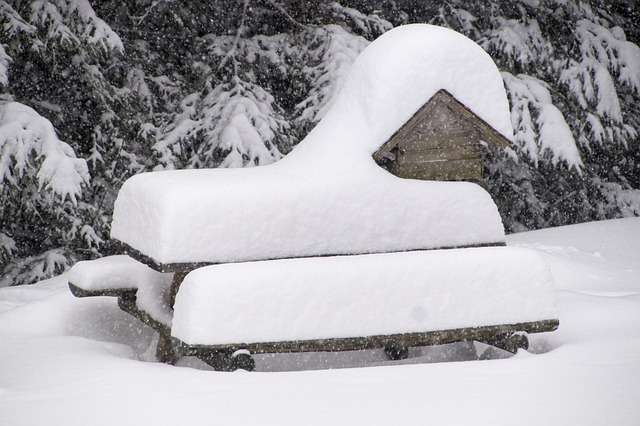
column 68, row 361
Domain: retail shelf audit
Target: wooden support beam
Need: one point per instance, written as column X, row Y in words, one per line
column 488, row 334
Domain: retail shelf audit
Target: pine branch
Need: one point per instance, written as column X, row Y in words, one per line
column 139, row 19
column 231, row 54
column 290, row 18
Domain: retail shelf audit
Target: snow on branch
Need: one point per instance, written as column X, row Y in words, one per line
column 331, row 62
column 7, row 248
column 35, row 268
column 139, row 19
column 605, row 56
column 136, row 82
column 519, row 43
column 74, row 22
column 12, row 23
column 247, row 125
column 29, row 148
column 230, row 119
column 235, row 124
column 540, row 127
column 371, row 25
column 13, row 26
column 5, row 60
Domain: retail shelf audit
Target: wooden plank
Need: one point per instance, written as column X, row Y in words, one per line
column 167, row 348
column 119, row 247
column 189, row 266
column 401, row 133
column 112, row 292
column 440, row 337
column 446, row 130
column 487, row 133
column 431, row 113
column 435, row 155
column 440, row 140
column 468, row 169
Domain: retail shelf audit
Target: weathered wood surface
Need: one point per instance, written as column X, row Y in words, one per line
column 185, row 268
column 441, row 141
column 450, row 170
column 405, row 156
column 114, row 292
column 488, row 334
column 118, row 247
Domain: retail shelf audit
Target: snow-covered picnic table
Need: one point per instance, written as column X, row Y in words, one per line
column 324, row 249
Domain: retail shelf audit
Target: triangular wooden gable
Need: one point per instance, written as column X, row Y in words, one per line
column 442, row 141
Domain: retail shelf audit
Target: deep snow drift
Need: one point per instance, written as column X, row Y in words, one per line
column 328, row 196
column 74, row 361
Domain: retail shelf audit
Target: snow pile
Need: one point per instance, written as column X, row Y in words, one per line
column 356, row 296
column 124, row 273
column 395, row 76
column 29, row 145
column 328, row 196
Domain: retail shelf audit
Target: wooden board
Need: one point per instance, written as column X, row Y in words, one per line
column 436, row 155
column 487, row 334
column 451, row 170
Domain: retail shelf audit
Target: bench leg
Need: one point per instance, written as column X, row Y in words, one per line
column 396, row 352
column 178, row 277
column 509, row 342
column 228, row 360
column 165, row 351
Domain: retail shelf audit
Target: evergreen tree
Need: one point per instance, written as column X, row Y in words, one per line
column 135, row 86
column 55, row 52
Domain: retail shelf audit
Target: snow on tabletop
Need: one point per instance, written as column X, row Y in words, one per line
column 354, row 296
column 123, row 273
column 328, row 196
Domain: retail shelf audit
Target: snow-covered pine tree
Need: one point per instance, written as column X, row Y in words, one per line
column 41, row 182
column 583, row 64
column 231, row 121
column 53, row 56
column 570, row 75
column 211, row 82
column 332, row 52
column 327, row 53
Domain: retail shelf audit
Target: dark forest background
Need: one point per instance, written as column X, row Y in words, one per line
column 139, row 85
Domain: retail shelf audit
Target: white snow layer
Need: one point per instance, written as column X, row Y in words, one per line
column 328, row 196
column 357, row 296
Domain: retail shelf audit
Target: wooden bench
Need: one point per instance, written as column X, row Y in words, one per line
column 120, row 273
